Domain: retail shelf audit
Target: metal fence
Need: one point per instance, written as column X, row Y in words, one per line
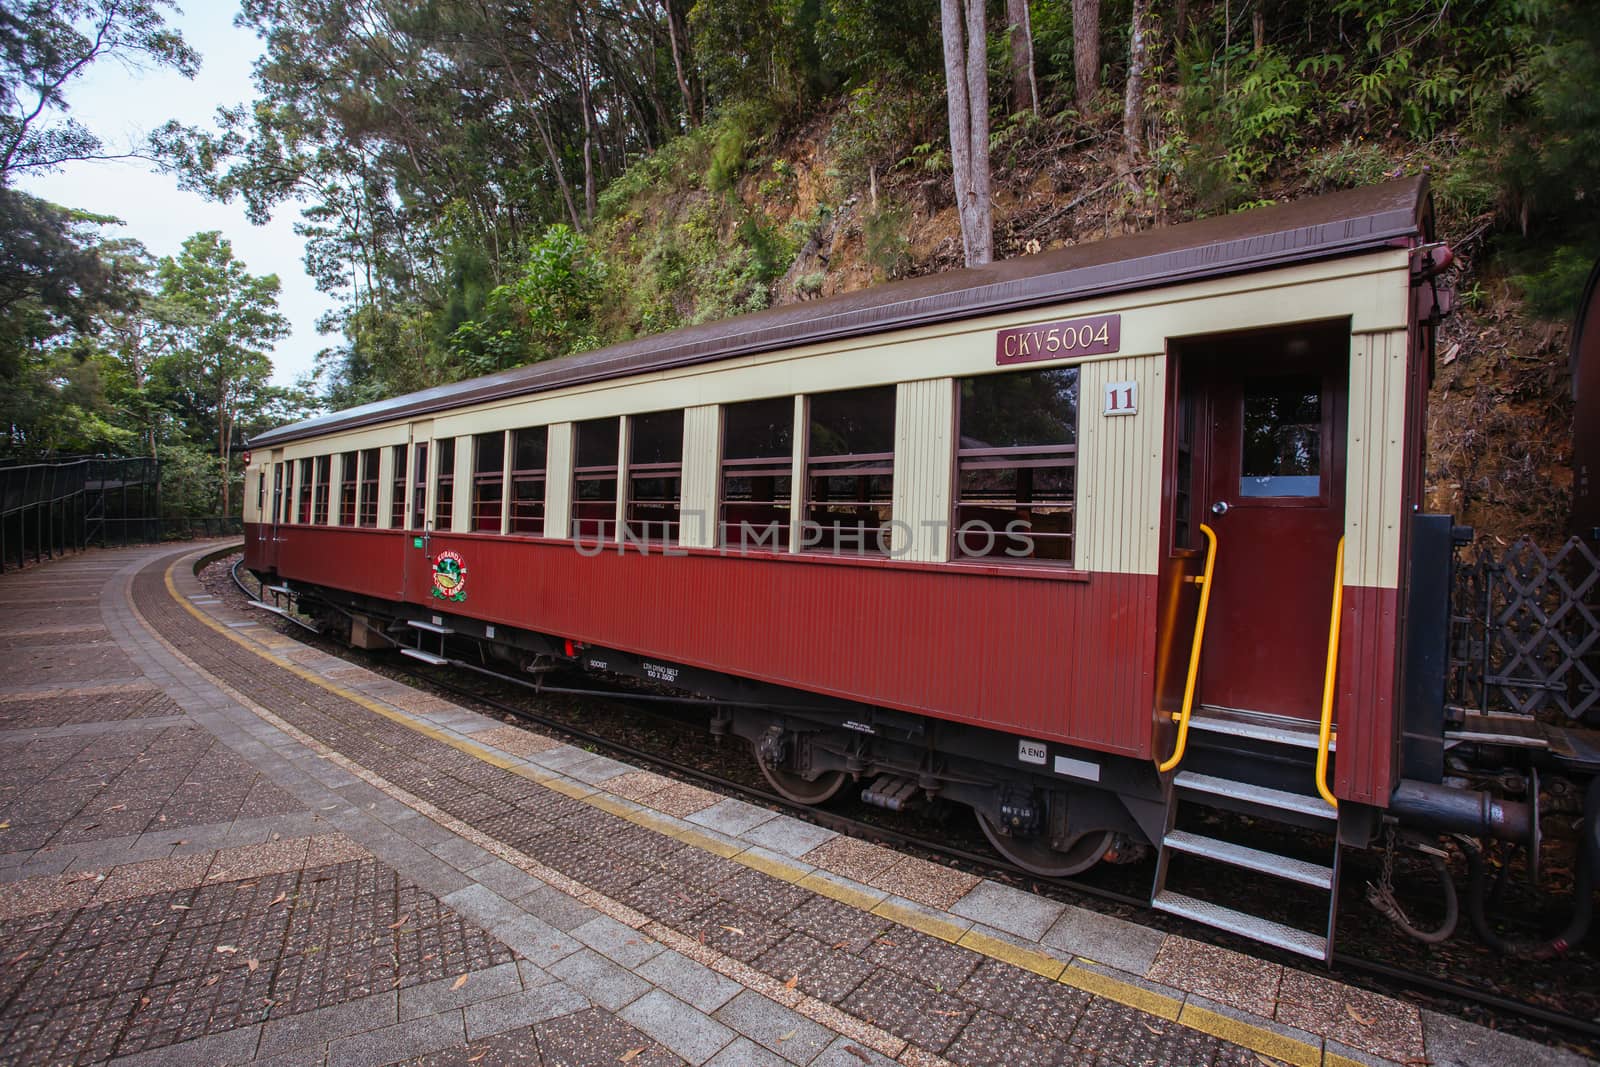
column 48, row 509
column 1526, row 631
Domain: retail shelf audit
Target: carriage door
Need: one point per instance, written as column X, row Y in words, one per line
column 268, row 532
column 1273, row 490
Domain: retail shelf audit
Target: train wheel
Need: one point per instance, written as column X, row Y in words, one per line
column 792, row 787
column 1037, row 857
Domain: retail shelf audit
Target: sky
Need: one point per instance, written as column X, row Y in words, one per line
column 122, row 105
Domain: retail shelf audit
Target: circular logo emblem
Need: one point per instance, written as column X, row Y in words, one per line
column 449, row 577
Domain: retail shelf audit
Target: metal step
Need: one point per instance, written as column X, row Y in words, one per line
column 1258, row 795
column 432, row 628
column 426, row 657
column 264, row 606
column 1257, row 726
column 1251, row 859
column 1266, row 931
column 283, row 589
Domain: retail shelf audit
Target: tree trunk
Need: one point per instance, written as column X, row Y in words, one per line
column 967, row 90
column 1133, row 104
column 677, row 67
column 1086, row 49
column 1024, row 89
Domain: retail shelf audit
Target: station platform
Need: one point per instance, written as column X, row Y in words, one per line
column 220, row 846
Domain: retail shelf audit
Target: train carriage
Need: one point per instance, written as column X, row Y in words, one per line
column 1078, row 539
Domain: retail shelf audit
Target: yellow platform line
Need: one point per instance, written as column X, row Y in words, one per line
column 1235, row 1031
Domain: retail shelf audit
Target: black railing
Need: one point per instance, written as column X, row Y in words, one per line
column 49, row 509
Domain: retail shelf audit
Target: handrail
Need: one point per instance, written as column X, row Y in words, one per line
column 1204, row 582
column 1325, row 732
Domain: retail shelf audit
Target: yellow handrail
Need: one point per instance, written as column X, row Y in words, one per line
column 1194, row 651
column 1330, row 680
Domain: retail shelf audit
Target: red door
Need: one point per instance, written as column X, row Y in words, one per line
column 1273, row 490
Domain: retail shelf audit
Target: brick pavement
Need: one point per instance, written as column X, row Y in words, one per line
column 600, row 914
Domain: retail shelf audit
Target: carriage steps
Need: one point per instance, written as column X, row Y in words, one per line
column 1263, row 802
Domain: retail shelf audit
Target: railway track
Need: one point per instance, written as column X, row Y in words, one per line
column 1384, row 977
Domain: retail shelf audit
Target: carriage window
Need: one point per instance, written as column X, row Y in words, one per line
column 757, row 468
column 319, row 500
column 655, row 475
column 850, row 470
column 419, row 487
column 1282, row 448
column 303, row 491
column 594, row 499
column 488, row 480
column 444, row 500
column 261, row 493
column 1017, row 465
column 347, row 489
column 280, row 499
column 367, row 494
column 528, row 450
column 397, row 506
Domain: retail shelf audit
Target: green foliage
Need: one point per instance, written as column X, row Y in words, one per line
column 883, row 122
column 47, row 44
column 888, row 248
column 547, row 310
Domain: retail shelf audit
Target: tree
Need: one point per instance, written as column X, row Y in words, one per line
column 1133, row 103
column 45, row 45
column 966, row 72
column 1024, row 88
column 1086, row 50
column 219, row 319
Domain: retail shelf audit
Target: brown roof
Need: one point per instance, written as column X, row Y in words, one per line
column 1319, row 227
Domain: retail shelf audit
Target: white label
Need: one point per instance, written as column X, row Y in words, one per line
column 488, row 631
column 1122, row 398
column 1031, row 752
column 1078, row 768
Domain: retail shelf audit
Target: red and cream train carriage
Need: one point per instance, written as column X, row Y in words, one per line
column 952, row 535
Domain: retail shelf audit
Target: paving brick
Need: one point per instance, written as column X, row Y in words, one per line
column 431, row 998
column 235, row 1046
column 732, row 817
column 746, row 1053
column 691, row 982
column 1011, row 910
column 318, row 1027
column 557, row 908
column 413, row 1037
column 599, row 979
column 594, row 1038
column 685, row 1031
column 503, row 878
column 1105, row 939
column 612, row 939
column 788, row 835
column 530, row 1006
column 774, row 1027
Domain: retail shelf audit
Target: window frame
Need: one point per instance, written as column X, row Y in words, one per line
column 417, row 513
column 839, row 465
column 779, row 469
column 483, row 480
column 367, row 487
column 349, row 484
column 1016, row 459
column 605, row 528
column 641, row 523
column 520, row 476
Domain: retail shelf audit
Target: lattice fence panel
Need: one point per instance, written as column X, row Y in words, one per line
column 1526, row 633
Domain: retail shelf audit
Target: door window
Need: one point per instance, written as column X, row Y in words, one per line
column 1281, row 451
